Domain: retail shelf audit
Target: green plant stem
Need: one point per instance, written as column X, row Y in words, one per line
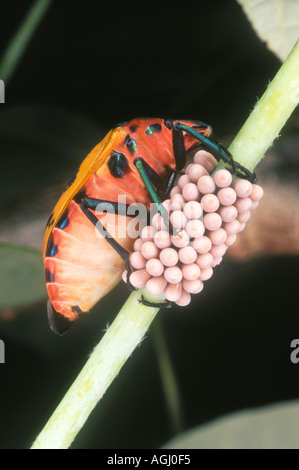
column 106, row 360
column 19, row 42
column 129, row 327
column 269, row 114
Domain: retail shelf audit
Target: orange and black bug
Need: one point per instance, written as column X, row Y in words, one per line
column 138, row 159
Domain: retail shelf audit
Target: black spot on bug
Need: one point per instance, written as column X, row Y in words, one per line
column 52, row 249
column 50, row 220
column 80, row 195
column 118, row 164
column 49, row 276
column 152, row 128
column 133, row 128
column 131, row 144
column 63, row 220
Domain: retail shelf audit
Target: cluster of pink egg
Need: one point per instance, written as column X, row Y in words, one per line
column 205, row 213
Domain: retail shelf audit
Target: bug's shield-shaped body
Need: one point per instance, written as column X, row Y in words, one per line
column 80, row 265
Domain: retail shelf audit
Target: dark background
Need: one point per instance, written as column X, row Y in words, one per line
column 88, row 67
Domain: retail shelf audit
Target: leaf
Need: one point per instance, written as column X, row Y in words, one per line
column 270, row 427
column 275, row 21
column 21, row 276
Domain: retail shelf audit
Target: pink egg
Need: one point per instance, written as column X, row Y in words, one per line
column 222, row 178
column 196, row 171
column 188, row 168
column 190, row 192
column 169, row 257
column 190, row 271
column 206, row 159
column 218, row 237
column 173, row 275
column 193, row 210
column 180, row 239
column 187, row 255
column 231, row 239
column 156, row 285
column 257, row 193
column 158, row 222
column 243, row 204
column 137, row 260
column 212, row 221
column 154, row 267
column 217, row 251
column 206, row 185
column 228, row 213
column 242, row 187
column 139, row 278
column 195, row 228
column 166, row 204
column 184, row 300
column 178, row 219
column 216, row 262
column 183, row 180
column 138, row 244
column 162, row 239
column 206, row 274
column 254, row 205
column 244, row 217
column 149, row 250
column 202, row 244
column 227, row 196
column 173, row 292
column 231, row 227
column 204, row 260
column 210, row 202
column 177, row 202
column 193, row 287
column 175, row 190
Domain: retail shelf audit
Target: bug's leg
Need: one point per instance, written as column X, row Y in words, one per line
column 179, row 149
column 148, row 174
column 129, row 272
column 102, row 205
column 118, row 208
column 99, row 226
column 152, row 175
column 178, row 144
column 237, row 168
column 143, row 171
column 170, row 183
column 219, row 151
column 165, row 304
